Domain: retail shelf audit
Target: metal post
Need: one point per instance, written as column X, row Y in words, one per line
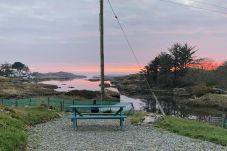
column 102, row 50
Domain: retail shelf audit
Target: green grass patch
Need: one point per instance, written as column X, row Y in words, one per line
column 137, row 117
column 194, row 129
column 12, row 133
column 32, row 116
column 13, row 122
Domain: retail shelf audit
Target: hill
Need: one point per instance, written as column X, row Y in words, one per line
column 56, row 76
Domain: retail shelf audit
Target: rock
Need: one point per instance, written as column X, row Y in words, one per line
column 151, row 118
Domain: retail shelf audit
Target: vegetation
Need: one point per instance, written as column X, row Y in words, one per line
column 87, row 94
column 6, row 69
column 13, row 124
column 210, row 100
column 194, row 129
column 166, row 68
column 10, row 90
column 137, row 117
column 56, row 76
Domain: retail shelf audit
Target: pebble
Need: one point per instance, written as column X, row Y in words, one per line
column 105, row 135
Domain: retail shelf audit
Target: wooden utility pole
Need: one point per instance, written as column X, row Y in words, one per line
column 102, row 50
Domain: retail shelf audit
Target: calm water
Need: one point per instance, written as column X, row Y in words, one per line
column 84, row 84
column 167, row 102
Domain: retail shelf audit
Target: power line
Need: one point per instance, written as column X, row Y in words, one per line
column 209, row 4
column 192, row 6
column 134, row 55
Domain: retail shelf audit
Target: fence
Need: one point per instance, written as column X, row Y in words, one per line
column 217, row 120
column 61, row 104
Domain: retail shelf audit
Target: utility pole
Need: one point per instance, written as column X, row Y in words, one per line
column 102, row 50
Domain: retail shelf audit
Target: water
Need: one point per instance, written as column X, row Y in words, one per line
column 148, row 104
column 84, row 84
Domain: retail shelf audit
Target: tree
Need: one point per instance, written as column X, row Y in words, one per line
column 167, row 69
column 186, row 56
column 183, row 56
column 20, row 67
column 165, row 62
column 6, row 69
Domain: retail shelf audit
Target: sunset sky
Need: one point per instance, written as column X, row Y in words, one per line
column 54, row 35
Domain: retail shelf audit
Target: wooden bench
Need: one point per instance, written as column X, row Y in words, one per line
column 83, row 116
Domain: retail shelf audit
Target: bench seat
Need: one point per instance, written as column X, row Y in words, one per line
column 98, row 117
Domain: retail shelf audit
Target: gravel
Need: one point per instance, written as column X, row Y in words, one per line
column 105, row 135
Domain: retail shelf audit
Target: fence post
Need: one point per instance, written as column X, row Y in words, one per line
column 48, row 102
column 223, row 120
column 61, row 106
column 30, row 101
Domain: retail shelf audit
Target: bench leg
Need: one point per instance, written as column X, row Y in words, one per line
column 121, row 123
column 74, row 124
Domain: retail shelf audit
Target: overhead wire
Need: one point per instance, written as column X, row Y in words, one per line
column 193, row 6
column 209, row 4
column 134, row 55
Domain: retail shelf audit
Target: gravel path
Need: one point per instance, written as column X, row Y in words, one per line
column 58, row 135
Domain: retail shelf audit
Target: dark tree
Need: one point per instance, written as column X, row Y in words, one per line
column 6, row 69
column 20, row 67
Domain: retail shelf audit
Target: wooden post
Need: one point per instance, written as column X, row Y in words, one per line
column 102, row 50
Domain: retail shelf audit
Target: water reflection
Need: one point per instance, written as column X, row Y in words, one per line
column 84, row 84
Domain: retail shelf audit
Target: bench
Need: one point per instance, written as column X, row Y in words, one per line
column 83, row 116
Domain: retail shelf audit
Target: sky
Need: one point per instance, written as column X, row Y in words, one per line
column 60, row 35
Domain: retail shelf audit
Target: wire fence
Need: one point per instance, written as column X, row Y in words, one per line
column 61, row 104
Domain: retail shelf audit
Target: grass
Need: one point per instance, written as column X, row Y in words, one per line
column 211, row 100
column 194, row 129
column 12, row 133
column 13, row 123
column 137, row 117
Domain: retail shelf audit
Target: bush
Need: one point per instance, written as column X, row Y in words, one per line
column 13, row 123
column 200, row 90
column 84, row 94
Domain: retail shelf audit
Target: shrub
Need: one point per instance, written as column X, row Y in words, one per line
column 200, row 90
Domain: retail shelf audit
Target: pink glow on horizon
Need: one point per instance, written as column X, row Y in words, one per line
column 208, row 65
column 84, row 69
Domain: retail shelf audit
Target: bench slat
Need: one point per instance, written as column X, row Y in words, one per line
column 98, row 117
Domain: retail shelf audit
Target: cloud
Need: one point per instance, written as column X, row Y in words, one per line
column 67, row 32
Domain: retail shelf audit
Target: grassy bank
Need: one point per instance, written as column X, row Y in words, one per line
column 137, row 117
column 13, row 123
column 194, row 129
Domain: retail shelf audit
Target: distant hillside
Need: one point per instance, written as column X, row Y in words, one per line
column 56, row 76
